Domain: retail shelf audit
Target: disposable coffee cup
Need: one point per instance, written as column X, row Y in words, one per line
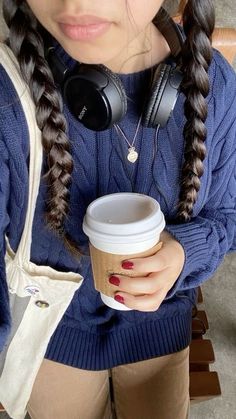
column 121, row 226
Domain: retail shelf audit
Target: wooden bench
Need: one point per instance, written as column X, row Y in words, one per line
column 204, row 384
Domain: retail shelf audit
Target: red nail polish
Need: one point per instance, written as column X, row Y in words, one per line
column 119, row 299
column 127, row 264
column 114, row 280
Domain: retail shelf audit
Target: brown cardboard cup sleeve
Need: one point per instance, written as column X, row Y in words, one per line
column 106, row 264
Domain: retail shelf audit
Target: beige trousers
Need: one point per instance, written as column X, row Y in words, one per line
column 154, row 389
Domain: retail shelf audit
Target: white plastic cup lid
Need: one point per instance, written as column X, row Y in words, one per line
column 123, row 218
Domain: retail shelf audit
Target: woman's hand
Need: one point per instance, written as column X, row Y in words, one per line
column 146, row 293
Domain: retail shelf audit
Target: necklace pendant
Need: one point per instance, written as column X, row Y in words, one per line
column 132, row 155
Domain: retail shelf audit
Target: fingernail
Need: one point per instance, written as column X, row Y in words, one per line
column 119, row 299
column 114, row 280
column 127, row 264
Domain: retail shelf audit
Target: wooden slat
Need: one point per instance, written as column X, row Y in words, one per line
column 201, row 314
column 199, row 324
column 204, row 385
column 200, row 296
column 199, row 367
column 201, row 352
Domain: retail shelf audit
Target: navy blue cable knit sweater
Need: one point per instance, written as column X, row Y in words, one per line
column 91, row 335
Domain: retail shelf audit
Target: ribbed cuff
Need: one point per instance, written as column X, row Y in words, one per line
column 193, row 238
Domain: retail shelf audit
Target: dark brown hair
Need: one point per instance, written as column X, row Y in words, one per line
column 198, row 23
column 28, row 46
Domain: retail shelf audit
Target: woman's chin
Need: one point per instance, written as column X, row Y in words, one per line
column 88, row 56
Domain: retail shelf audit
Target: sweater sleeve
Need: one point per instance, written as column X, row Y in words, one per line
column 212, row 232
column 4, row 220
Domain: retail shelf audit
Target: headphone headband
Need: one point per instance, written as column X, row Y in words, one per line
column 95, row 95
column 170, row 30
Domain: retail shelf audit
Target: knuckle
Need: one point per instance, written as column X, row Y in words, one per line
column 140, row 266
column 144, row 286
column 163, row 260
column 151, row 287
column 152, row 283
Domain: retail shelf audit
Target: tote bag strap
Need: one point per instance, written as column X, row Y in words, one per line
column 11, row 66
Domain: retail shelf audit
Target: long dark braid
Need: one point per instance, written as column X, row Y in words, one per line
column 28, row 47
column 198, row 23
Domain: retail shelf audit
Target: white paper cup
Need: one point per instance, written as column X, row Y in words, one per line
column 118, row 226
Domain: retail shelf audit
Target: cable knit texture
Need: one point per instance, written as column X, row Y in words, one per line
column 91, row 335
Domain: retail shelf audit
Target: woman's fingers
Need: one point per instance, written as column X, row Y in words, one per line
column 135, row 286
column 157, row 274
column 154, row 263
column 143, row 293
column 143, row 285
column 170, row 254
column 142, row 302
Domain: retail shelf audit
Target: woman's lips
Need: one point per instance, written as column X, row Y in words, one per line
column 83, row 28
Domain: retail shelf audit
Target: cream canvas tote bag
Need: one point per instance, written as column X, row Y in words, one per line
column 39, row 295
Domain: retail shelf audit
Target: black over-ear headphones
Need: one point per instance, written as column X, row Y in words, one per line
column 96, row 96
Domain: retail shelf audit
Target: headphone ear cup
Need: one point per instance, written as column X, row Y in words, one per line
column 163, row 96
column 156, row 92
column 119, row 87
column 95, row 96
